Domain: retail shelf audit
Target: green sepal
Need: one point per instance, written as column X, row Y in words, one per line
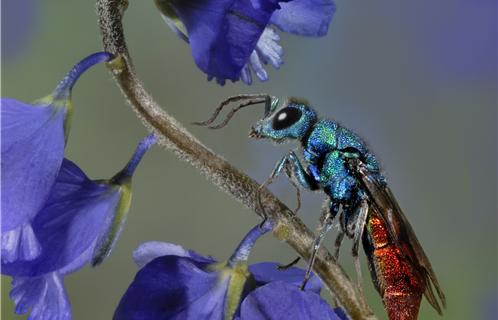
column 106, row 243
column 59, row 105
column 169, row 13
column 237, row 276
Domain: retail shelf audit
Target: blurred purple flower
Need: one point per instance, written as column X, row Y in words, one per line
column 175, row 283
column 33, row 140
column 19, row 20
column 80, row 222
column 488, row 303
column 230, row 39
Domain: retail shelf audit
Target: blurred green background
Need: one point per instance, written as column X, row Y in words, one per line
column 417, row 80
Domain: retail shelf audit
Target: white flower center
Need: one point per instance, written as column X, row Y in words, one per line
column 267, row 50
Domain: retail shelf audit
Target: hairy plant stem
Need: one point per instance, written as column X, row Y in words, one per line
column 172, row 136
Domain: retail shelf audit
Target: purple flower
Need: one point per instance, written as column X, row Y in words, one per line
column 80, row 222
column 230, row 39
column 175, row 283
column 281, row 300
column 33, row 140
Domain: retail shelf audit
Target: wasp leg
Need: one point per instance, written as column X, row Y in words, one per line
column 297, row 176
column 337, row 247
column 327, row 206
column 316, row 245
column 337, row 244
column 346, row 223
column 323, row 218
column 358, row 233
column 289, row 265
column 328, row 215
column 294, row 184
column 294, row 169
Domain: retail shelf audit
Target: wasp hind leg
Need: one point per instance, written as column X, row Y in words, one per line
column 289, row 265
column 326, row 222
column 358, row 233
column 337, row 244
column 324, row 218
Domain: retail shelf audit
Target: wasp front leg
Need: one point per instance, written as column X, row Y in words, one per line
column 297, row 176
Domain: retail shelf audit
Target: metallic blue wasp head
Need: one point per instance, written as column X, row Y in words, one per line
column 292, row 121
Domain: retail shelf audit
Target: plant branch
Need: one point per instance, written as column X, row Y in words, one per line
column 172, row 136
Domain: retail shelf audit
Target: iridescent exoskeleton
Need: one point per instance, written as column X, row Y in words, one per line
column 338, row 162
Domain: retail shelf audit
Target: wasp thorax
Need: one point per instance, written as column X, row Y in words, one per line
column 286, row 117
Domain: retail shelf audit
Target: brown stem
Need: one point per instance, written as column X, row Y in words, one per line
column 225, row 176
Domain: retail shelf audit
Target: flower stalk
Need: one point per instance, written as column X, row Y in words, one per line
column 63, row 90
column 174, row 137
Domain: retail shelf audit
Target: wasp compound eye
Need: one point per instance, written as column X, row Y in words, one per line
column 286, row 118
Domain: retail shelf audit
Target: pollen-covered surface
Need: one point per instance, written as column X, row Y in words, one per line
column 400, row 286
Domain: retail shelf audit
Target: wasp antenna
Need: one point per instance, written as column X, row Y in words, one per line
column 227, row 101
column 216, row 111
column 248, row 102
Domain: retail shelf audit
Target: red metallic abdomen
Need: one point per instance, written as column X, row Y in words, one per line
column 400, row 285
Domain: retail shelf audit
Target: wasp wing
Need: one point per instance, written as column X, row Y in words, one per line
column 384, row 202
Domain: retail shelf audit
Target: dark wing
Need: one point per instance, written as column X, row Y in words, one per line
column 400, row 229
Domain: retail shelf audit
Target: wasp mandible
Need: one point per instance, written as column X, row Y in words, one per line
column 338, row 162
